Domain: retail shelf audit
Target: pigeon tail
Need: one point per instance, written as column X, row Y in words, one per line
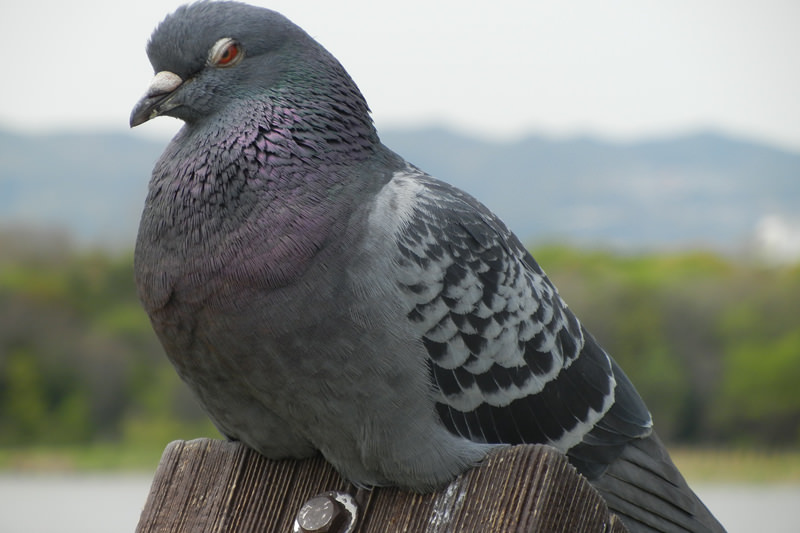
column 647, row 491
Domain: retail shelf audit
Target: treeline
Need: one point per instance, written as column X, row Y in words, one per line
column 712, row 344
column 79, row 362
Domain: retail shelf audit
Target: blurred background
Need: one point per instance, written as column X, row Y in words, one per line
column 649, row 155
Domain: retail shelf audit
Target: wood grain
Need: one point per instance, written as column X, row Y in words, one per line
column 213, row 485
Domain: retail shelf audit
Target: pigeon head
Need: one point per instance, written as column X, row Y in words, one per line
column 208, row 55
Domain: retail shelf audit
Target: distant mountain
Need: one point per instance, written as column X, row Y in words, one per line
column 91, row 186
column 704, row 189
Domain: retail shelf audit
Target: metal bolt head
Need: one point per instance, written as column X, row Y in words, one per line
column 330, row 512
column 318, row 515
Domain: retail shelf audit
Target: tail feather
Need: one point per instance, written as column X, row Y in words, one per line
column 647, row 491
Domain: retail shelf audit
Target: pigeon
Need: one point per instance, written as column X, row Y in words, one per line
column 319, row 294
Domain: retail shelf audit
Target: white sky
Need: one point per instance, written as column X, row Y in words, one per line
column 621, row 68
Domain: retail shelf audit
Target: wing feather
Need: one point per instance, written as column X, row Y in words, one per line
column 509, row 362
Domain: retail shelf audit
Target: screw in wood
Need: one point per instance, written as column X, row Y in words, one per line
column 322, row 514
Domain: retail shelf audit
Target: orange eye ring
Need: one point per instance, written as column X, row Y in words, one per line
column 225, row 53
column 228, row 54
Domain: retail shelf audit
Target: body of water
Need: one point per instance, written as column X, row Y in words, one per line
column 105, row 503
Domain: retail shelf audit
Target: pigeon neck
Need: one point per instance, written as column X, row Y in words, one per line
column 329, row 126
column 261, row 194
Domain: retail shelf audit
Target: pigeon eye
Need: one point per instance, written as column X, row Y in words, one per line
column 225, row 53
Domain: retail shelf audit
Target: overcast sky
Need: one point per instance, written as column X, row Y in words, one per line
column 620, row 69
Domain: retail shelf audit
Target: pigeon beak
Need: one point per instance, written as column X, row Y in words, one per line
column 158, row 98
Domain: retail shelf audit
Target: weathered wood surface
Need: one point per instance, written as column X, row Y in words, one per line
column 213, row 485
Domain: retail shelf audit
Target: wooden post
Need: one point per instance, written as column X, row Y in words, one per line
column 213, row 485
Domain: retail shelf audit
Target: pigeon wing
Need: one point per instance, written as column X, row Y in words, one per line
column 508, row 361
